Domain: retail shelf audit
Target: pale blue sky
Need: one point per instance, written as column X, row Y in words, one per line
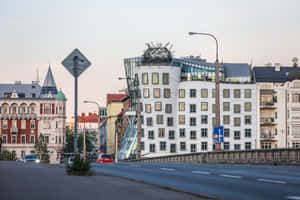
column 35, row 33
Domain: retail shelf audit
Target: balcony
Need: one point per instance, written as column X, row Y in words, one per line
column 267, row 104
column 267, row 136
column 14, row 130
column 267, row 120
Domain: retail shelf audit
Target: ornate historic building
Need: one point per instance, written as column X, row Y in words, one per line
column 29, row 110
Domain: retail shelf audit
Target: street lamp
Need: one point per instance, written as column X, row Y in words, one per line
column 218, row 121
column 99, row 126
column 138, row 116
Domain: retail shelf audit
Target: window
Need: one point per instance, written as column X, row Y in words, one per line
column 226, row 132
column 181, row 93
column 155, row 78
column 247, row 106
column 181, row 106
column 47, row 108
column 167, row 92
column 247, row 93
column 237, row 108
column 142, row 146
column 159, row 119
column 248, row 132
column 32, row 139
column 171, row 135
column 237, row 147
column 204, row 146
column 4, row 139
column 204, row 106
column 152, row 147
column 161, row 132
column 182, row 132
column 145, row 78
column 204, row 93
column 14, row 109
column 204, row 119
column 247, row 145
column 170, row 121
column 193, row 134
column 32, row 124
column 14, row 123
column 173, row 148
column 237, row 93
column 192, row 108
column 168, row 108
column 213, row 93
column 148, row 108
column 142, row 132
column 248, row 119
column 226, row 146
column 214, row 108
column 266, row 145
column 149, row 121
column 46, row 124
column 5, row 124
column 237, row 135
column 192, row 93
column 23, row 124
column 226, row 119
column 226, row 93
column 150, row 134
column 156, row 92
column 23, row 139
column 47, row 139
column 14, row 139
column 181, row 119
column 166, row 78
column 146, row 93
column 214, row 121
column 193, row 148
column 193, row 121
column 203, row 132
column 163, row 146
column 182, row 146
column 157, row 106
column 226, row 106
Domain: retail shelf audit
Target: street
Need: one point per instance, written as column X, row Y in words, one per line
column 245, row 182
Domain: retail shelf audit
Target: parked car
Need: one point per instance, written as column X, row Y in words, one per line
column 31, row 158
column 104, row 158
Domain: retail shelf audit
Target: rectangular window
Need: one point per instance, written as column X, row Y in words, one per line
column 5, row 124
column 142, row 146
column 182, row 146
column 145, row 78
column 237, row 147
column 170, row 121
column 171, row 135
column 204, row 146
column 203, row 132
column 247, row 106
column 46, row 124
column 149, row 121
column 14, row 123
column 193, row 134
column 152, row 148
column 142, row 132
column 213, row 93
column 226, row 93
column 173, row 148
column 155, row 78
column 247, row 145
column 32, row 139
column 193, row 148
column 156, row 92
column 150, row 134
column 204, row 106
column 192, row 93
column 167, row 92
column 237, row 121
column 47, row 139
column 182, row 132
column 193, row 121
column 226, row 132
column 14, row 139
column 226, row 146
column 226, row 106
column 181, row 106
column 32, row 124
column 248, row 119
column 166, row 78
column 204, row 119
column 146, row 92
column 181, row 93
column 23, row 139
column 237, row 108
column 159, row 119
column 226, row 119
column 23, row 124
column 237, row 135
column 247, row 93
column 214, row 108
column 157, row 106
column 192, row 108
column 237, row 93
column 148, row 108
column 204, row 93
column 161, row 132
column 4, row 139
column 248, row 132
column 163, row 146
column 214, row 121
column 168, row 108
column 181, row 119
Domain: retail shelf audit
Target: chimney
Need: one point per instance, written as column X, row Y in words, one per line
column 277, row 67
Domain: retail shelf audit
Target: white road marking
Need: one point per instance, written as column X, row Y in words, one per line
column 167, row 169
column 270, row 181
column 293, row 197
column 200, row 172
column 135, row 165
column 230, row 176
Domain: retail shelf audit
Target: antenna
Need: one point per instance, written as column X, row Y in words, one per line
column 37, row 76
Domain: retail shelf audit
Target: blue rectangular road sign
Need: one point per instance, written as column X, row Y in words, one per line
column 218, row 134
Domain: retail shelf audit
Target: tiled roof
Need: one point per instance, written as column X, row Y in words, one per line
column 236, row 70
column 268, row 74
column 114, row 97
column 91, row 118
column 25, row 89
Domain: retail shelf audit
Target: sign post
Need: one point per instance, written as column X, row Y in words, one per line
column 218, row 135
column 76, row 63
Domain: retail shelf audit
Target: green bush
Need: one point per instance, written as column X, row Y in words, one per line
column 79, row 167
column 6, row 155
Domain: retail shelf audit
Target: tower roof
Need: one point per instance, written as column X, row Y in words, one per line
column 49, row 80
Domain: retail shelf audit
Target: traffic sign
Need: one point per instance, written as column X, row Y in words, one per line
column 76, row 63
column 218, row 134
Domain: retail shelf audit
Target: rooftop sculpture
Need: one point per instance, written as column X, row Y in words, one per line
column 157, row 54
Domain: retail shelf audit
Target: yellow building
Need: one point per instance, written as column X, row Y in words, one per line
column 114, row 106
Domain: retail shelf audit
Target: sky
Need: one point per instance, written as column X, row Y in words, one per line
column 35, row 34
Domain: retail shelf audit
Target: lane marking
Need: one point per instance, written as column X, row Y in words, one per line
column 229, row 176
column 200, row 172
column 270, row 181
column 135, row 165
column 167, row 169
column 293, row 197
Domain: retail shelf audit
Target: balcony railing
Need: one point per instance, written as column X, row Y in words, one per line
column 267, row 136
column 267, row 120
column 267, row 104
column 14, row 130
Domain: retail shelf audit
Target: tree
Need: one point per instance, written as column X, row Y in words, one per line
column 89, row 144
column 42, row 148
column 69, row 148
column 6, row 155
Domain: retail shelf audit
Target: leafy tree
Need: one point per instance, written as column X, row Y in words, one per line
column 88, row 142
column 69, row 148
column 6, row 155
column 42, row 148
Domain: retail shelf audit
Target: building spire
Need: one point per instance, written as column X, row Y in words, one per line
column 49, row 84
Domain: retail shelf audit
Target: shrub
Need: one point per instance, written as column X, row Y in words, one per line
column 79, row 167
column 6, row 155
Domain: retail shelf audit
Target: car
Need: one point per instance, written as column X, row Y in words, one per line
column 31, row 158
column 104, row 158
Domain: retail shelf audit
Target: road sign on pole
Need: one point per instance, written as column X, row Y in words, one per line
column 76, row 63
column 219, row 134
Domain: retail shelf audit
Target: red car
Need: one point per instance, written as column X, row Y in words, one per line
column 104, row 159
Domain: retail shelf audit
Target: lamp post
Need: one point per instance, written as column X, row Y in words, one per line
column 99, row 126
column 138, row 118
column 218, row 121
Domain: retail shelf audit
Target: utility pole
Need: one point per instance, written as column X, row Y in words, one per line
column 138, row 126
column 116, row 144
column 84, row 143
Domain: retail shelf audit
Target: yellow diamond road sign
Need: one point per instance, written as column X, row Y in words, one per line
column 76, row 63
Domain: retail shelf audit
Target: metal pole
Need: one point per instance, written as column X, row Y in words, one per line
column 116, row 144
column 99, row 132
column 84, row 143
column 138, row 127
column 218, row 121
column 76, row 107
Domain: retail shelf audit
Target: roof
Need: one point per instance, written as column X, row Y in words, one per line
column 236, row 70
column 28, row 90
column 60, row 96
column 49, row 84
column 268, row 74
column 91, row 118
column 114, row 97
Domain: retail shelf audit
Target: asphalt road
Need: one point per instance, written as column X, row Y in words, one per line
column 241, row 182
column 19, row 181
